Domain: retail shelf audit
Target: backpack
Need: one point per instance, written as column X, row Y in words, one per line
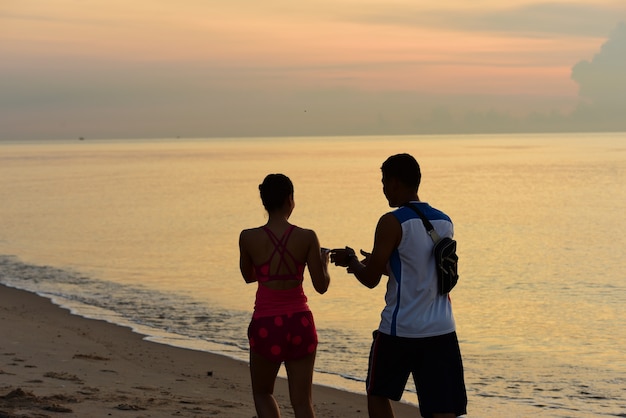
column 444, row 251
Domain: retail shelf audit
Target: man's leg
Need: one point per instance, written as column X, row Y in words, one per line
column 379, row 407
column 439, row 377
column 387, row 374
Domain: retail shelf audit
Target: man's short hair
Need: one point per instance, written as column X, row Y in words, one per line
column 404, row 168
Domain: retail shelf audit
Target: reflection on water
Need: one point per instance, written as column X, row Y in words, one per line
column 146, row 231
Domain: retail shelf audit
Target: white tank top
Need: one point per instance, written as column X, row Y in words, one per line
column 414, row 308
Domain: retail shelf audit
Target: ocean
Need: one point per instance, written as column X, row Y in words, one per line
column 144, row 233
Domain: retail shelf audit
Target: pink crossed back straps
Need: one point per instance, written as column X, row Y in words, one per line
column 280, row 248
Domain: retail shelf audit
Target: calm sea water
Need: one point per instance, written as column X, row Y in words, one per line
column 144, row 233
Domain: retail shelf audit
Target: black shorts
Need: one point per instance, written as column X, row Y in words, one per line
column 434, row 362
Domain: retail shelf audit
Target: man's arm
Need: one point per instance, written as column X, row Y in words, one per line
column 386, row 240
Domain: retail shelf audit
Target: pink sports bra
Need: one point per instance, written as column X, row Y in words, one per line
column 280, row 248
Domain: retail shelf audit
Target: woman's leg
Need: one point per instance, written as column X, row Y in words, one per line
column 300, row 376
column 263, row 375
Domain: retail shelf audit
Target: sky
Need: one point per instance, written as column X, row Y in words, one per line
column 226, row 68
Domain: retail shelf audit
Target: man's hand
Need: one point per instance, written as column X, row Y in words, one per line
column 364, row 261
column 342, row 256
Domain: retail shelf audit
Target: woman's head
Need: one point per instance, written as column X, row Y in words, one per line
column 275, row 190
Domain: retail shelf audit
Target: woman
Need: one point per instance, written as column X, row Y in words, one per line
column 282, row 327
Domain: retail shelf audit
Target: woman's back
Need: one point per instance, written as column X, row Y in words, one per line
column 279, row 254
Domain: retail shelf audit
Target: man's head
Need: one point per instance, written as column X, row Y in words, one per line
column 404, row 168
column 401, row 178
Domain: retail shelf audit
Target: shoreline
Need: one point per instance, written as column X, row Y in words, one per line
column 52, row 361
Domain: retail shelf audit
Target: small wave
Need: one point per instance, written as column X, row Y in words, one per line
column 157, row 313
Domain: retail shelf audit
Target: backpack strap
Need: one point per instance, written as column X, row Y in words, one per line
column 429, row 227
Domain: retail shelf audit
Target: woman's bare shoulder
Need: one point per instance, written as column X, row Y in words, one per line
column 305, row 233
column 250, row 233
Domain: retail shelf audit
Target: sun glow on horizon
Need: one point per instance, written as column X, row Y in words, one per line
column 221, row 49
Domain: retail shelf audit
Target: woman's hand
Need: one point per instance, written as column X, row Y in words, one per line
column 325, row 256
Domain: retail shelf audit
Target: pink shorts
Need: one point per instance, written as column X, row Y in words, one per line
column 283, row 337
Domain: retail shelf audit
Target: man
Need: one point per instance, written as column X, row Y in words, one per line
column 417, row 333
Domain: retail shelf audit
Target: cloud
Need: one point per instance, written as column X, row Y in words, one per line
column 603, row 79
column 602, row 83
column 538, row 19
column 544, row 19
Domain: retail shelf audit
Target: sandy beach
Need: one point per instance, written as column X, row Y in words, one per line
column 55, row 364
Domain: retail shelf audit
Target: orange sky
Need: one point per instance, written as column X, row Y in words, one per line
column 525, row 48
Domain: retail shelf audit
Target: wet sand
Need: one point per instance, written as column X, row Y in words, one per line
column 55, row 364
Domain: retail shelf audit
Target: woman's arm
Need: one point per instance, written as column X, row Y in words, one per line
column 318, row 265
column 245, row 261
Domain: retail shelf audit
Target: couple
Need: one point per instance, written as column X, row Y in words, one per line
column 417, row 330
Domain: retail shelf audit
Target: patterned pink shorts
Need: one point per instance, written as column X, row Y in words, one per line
column 283, row 337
